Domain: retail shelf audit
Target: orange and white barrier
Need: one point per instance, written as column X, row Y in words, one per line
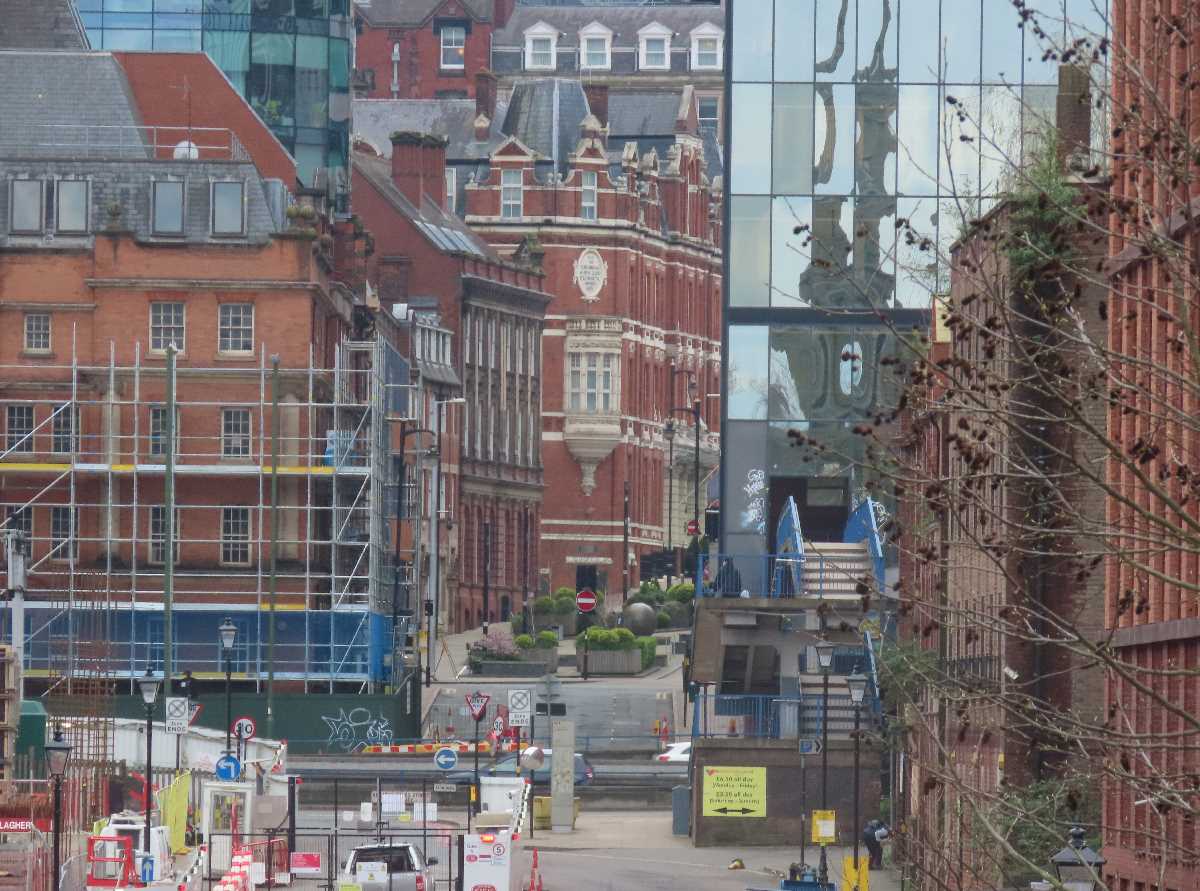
column 535, row 875
column 429, row 748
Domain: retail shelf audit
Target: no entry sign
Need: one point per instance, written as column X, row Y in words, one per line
column 586, row 600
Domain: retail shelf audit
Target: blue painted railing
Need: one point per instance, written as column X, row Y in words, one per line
column 765, row 716
column 862, row 526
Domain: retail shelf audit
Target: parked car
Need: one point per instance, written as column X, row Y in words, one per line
column 507, row 766
column 676, row 753
column 406, row 869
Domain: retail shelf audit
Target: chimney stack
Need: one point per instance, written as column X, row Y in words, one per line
column 597, row 97
column 502, row 11
column 407, row 167
column 434, row 161
column 1073, row 118
column 485, row 94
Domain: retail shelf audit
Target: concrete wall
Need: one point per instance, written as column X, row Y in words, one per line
column 791, row 791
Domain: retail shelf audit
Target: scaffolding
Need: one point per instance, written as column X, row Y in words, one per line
column 82, row 468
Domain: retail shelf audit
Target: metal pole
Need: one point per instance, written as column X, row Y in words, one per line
column 671, row 500
column 487, row 570
column 291, row 830
column 149, row 769
column 274, row 545
column 57, row 832
column 624, row 549
column 803, row 799
column 823, row 873
column 857, row 710
column 696, row 483
column 168, row 521
column 400, row 473
column 475, row 803
column 228, row 701
column 436, row 536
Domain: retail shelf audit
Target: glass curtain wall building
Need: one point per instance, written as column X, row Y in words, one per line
column 289, row 58
column 861, row 134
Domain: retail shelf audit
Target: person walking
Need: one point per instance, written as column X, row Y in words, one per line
column 874, row 834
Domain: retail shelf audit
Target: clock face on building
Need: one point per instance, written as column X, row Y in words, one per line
column 591, row 272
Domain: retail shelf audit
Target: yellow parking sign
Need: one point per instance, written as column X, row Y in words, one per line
column 824, row 827
column 734, row 792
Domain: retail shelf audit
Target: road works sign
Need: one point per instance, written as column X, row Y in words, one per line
column 824, row 827
column 734, row 792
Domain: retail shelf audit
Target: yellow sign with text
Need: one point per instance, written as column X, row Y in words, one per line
column 735, row 792
column 824, row 827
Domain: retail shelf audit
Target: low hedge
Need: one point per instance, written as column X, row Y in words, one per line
column 649, row 648
column 598, row 638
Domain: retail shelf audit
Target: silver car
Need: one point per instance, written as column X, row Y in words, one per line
column 401, row 867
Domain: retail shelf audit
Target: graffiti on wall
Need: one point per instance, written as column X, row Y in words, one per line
column 350, row 732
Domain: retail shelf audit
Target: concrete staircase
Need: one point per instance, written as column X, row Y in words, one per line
column 833, row 569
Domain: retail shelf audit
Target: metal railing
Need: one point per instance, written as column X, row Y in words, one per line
column 124, row 141
column 767, row 716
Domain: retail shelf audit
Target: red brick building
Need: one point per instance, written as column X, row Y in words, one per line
column 423, row 49
column 629, row 240
column 1152, row 609
column 491, row 311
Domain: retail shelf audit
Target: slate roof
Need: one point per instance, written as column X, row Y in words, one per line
column 442, row 229
column 545, row 115
column 414, row 12
column 625, row 21
column 643, row 113
column 62, row 97
column 40, row 24
column 376, row 119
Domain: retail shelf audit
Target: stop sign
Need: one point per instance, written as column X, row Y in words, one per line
column 586, row 600
column 693, row 528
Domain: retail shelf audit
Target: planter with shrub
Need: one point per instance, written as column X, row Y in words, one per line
column 542, row 650
column 612, row 651
column 496, row 654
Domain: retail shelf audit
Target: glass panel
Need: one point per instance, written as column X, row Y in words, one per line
column 72, row 206
column 835, row 58
column 227, row 208
column 1000, row 146
column 180, row 41
column 877, row 39
column 177, row 20
column 128, row 5
column 26, row 213
column 832, row 250
column 747, row 374
column 822, row 373
column 230, row 50
column 918, row 34
column 962, row 41
column 794, row 40
column 178, row 5
column 753, row 40
column 875, row 152
column 1002, row 46
column 115, row 39
column 168, row 207
column 751, row 152
column 789, row 248
column 312, row 81
column 958, row 159
column 339, row 64
column 272, row 78
column 749, row 251
column 793, row 139
column 917, row 135
column 834, row 111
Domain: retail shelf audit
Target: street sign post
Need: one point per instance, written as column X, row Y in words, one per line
column 693, row 527
column 824, row 827
column 244, row 727
column 445, row 758
column 585, row 600
column 177, row 714
column 478, row 702
column 810, row 746
column 498, row 726
column 228, row 768
column 520, row 707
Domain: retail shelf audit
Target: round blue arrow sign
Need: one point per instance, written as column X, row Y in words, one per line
column 227, row 768
column 445, row 759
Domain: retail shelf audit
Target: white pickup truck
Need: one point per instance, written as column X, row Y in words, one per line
column 389, row 866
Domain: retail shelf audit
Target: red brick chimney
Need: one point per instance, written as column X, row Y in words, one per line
column 502, row 11
column 408, row 167
column 485, row 94
column 1073, row 116
column 597, row 97
column 434, row 165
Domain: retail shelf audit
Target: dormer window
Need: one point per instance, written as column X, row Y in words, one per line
column 654, row 47
column 541, row 42
column 707, row 47
column 454, row 46
column 595, row 48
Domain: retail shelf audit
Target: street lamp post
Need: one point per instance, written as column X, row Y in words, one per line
column 694, row 411
column 432, row 609
column 858, row 692
column 669, row 434
column 825, row 659
column 1077, row 866
column 401, row 475
column 228, row 632
column 58, row 751
column 148, row 686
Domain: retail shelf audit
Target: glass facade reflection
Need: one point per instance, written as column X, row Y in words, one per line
column 289, row 58
column 861, row 134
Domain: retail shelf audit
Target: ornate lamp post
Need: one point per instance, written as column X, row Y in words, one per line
column 1077, row 865
column 824, row 650
column 148, row 686
column 858, row 692
column 58, row 752
column 228, row 632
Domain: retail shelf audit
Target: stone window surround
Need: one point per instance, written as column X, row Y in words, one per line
column 595, row 31
column 537, row 32
column 654, row 31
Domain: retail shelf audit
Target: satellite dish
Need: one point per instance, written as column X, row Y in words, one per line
column 186, row 151
column 532, row 758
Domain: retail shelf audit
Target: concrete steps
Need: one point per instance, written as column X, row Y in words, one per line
column 834, row 568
